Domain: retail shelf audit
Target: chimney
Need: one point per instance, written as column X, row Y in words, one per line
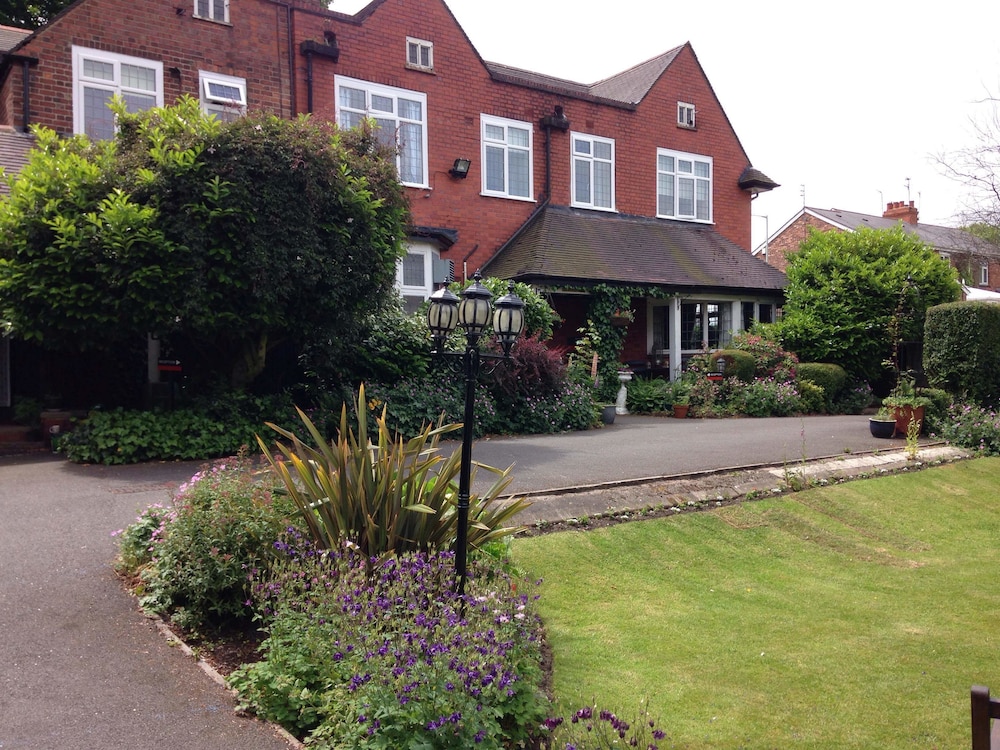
column 903, row 211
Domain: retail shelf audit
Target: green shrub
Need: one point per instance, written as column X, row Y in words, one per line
column 193, row 559
column 812, row 396
column 831, row 378
column 396, row 346
column 764, row 397
column 649, row 395
column 770, row 358
column 570, row 408
column 210, row 428
column 386, row 495
column 414, row 402
column 936, row 412
column 392, row 657
column 739, row 364
column 853, row 399
column 974, row 427
column 962, row 350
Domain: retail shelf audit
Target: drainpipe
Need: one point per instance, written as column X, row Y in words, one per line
column 309, row 80
column 327, row 48
column 26, row 94
column 556, row 121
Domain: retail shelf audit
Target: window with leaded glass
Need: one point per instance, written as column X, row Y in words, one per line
column 400, row 117
column 683, row 186
column 98, row 76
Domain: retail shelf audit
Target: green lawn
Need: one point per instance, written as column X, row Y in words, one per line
column 852, row 616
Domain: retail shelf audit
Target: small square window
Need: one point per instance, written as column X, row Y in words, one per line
column 419, row 54
column 685, row 115
column 212, row 10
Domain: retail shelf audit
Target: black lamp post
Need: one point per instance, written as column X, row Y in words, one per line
column 472, row 313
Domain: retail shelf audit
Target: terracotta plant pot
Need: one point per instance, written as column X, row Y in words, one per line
column 906, row 414
column 681, row 410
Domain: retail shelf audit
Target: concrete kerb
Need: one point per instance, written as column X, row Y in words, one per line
column 726, row 485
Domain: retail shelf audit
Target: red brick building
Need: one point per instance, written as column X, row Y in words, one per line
column 977, row 261
column 637, row 181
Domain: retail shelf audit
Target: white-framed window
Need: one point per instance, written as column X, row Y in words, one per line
column 414, row 275
column 401, row 117
column 212, row 10
column 593, row 171
column 419, row 54
column 221, row 95
column 98, row 76
column 507, row 158
column 685, row 115
column 683, row 186
column 984, row 275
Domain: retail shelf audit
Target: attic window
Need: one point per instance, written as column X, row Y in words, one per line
column 212, row 10
column 419, row 54
column 685, row 115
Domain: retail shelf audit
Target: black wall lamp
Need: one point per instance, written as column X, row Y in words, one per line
column 460, row 168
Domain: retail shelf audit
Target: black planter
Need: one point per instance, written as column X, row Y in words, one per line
column 882, row 428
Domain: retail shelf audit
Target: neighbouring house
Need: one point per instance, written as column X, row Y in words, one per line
column 638, row 181
column 976, row 260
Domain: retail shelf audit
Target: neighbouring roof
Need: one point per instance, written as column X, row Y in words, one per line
column 945, row 239
column 14, row 148
column 10, row 37
column 567, row 246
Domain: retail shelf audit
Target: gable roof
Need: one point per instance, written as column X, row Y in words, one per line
column 945, row 239
column 625, row 89
column 570, row 246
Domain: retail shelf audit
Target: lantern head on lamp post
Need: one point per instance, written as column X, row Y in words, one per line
column 473, row 314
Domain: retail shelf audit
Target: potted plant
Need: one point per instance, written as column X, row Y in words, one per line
column 607, row 413
column 905, row 404
column 681, row 399
column 883, row 424
column 621, row 318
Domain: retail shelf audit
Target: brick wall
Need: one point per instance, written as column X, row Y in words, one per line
column 794, row 235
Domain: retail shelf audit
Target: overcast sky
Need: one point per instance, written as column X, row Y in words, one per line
column 847, row 102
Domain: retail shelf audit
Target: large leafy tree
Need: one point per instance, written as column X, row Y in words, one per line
column 852, row 295
column 30, row 14
column 228, row 239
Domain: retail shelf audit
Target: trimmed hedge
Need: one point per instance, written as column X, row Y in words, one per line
column 831, row 378
column 962, row 350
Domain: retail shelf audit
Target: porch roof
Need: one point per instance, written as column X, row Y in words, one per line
column 566, row 246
